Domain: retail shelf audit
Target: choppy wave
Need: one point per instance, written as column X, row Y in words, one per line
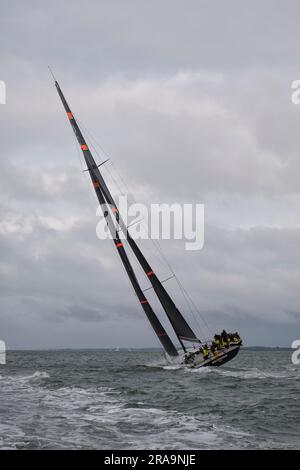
column 25, row 378
column 253, row 373
column 96, row 403
column 89, row 412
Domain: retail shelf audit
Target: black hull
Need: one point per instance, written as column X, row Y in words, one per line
column 222, row 359
column 217, row 361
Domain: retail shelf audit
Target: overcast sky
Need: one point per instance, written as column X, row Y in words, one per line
column 192, row 101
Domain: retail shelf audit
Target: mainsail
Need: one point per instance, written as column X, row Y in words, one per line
column 156, row 324
column 179, row 324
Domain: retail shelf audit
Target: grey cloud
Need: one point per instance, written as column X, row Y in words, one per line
column 193, row 104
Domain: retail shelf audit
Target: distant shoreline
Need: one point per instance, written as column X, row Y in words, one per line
column 114, row 349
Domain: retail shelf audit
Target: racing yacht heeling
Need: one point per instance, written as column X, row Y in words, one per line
column 192, row 355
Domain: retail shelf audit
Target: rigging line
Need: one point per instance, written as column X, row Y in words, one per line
column 121, row 182
column 164, row 280
column 127, row 189
column 189, row 306
column 133, row 260
column 183, row 290
column 50, row 70
column 155, row 244
column 135, row 222
column 157, row 306
column 93, row 142
column 92, row 138
column 128, row 192
column 184, row 295
column 188, row 297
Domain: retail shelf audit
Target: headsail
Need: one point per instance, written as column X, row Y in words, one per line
column 179, row 324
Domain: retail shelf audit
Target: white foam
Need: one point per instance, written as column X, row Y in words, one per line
column 173, row 367
column 252, row 373
column 199, row 370
column 105, row 409
column 94, row 417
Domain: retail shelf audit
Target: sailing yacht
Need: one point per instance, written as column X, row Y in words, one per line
column 190, row 353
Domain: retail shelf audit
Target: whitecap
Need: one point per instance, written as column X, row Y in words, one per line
column 252, row 373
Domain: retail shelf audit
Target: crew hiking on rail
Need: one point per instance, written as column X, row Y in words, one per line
column 224, row 340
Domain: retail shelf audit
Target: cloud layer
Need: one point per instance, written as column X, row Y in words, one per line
column 193, row 105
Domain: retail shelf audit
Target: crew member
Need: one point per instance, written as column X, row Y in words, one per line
column 229, row 338
column 205, row 352
column 217, row 341
column 223, row 339
column 237, row 338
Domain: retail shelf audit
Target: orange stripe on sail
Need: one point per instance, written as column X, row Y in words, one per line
column 70, row 115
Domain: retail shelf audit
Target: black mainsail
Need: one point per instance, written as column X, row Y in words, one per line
column 156, row 324
column 179, row 324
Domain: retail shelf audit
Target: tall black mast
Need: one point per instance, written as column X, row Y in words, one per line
column 181, row 327
column 153, row 319
column 156, row 324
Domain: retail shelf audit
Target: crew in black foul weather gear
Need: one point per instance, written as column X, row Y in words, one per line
column 216, row 342
column 224, row 336
column 229, row 338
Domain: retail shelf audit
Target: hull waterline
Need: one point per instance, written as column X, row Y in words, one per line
column 217, row 360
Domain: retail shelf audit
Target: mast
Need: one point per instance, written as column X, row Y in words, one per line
column 153, row 319
column 179, row 324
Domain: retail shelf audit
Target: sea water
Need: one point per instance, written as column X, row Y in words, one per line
column 136, row 400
